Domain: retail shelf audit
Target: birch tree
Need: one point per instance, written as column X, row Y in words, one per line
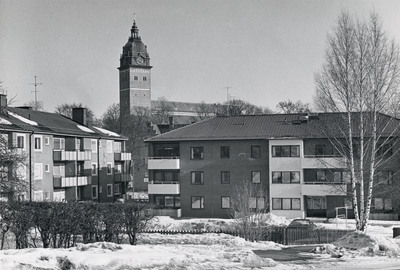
column 360, row 77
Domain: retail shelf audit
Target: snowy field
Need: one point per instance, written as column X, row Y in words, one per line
column 375, row 250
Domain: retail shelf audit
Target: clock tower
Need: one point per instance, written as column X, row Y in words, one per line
column 134, row 75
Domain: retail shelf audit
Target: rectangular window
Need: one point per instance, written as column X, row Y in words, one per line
column 109, row 168
column 59, row 170
column 286, row 151
column 21, row 141
column 80, row 171
column 286, row 204
column 384, row 177
column 38, row 143
column 109, row 190
column 38, row 173
column 135, row 78
column 385, row 150
column 78, row 193
column 94, row 146
column 378, row 203
column 255, row 151
column 94, row 192
column 196, row 152
column 46, row 140
column 316, row 202
column 225, row 202
column 117, row 168
column 256, row 177
column 224, row 151
column 169, row 201
column 117, row 147
column 197, row 178
column 321, row 176
column 225, row 177
column 94, row 168
column 197, row 202
column 47, row 168
column 341, row 177
column 285, row 177
column 59, row 143
column 144, row 79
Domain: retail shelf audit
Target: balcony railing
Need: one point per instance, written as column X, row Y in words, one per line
column 163, row 163
column 123, row 156
column 77, row 155
column 166, row 212
column 62, row 181
column 163, row 187
column 323, row 161
column 122, row 177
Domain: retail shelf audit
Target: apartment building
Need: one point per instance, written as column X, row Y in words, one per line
column 65, row 159
column 193, row 170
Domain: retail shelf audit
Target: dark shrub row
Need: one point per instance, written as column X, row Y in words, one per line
column 63, row 224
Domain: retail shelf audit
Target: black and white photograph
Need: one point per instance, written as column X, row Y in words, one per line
column 199, row 134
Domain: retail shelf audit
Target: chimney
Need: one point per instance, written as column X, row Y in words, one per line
column 171, row 122
column 3, row 101
column 79, row 115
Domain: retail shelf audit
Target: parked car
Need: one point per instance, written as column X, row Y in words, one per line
column 302, row 223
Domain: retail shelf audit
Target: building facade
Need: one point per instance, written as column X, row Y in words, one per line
column 193, row 170
column 66, row 160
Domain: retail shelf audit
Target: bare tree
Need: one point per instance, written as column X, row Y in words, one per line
column 111, row 118
column 293, row 107
column 360, row 76
column 36, row 106
column 238, row 107
column 66, row 110
column 248, row 205
column 205, row 111
column 162, row 110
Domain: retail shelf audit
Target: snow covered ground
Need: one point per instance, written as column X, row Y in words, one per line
column 211, row 251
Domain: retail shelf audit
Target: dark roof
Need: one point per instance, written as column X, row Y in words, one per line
column 18, row 119
column 271, row 126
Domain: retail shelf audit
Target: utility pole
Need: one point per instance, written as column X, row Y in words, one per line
column 227, row 98
column 35, row 91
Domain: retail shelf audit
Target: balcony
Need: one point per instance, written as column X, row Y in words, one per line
column 166, row 212
column 164, row 188
column 73, row 181
column 76, row 155
column 122, row 177
column 322, row 162
column 163, row 163
column 323, row 188
column 122, row 156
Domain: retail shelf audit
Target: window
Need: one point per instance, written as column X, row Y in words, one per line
column 117, row 189
column 109, row 168
column 144, row 79
column 256, row 202
column 59, row 170
column 47, row 168
column 21, row 141
column 197, row 178
column 169, row 201
column 225, row 202
column 78, row 193
column 197, row 202
column 224, row 151
column 109, row 146
column 38, row 195
column 225, row 178
column 320, row 150
column 46, row 140
column 256, row 177
column 94, row 192
column 285, row 177
column 109, row 190
column 38, row 143
column 316, row 202
column 348, row 203
column 255, row 151
column 59, row 143
column 321, row 176
column 166, row 176
column 286, row 204
column 135, row 78
column 341, row 177
column 117, row 147
column 384, row 177
column 118, row 168
column 94, row 168
column 196, row 152
column 385, row 150
column 286, row 151
column 38, row 172
column 80, row 171
column 94, row 146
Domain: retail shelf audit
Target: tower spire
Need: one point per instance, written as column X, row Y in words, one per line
column 134, row 30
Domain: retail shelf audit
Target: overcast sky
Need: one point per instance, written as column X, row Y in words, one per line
column 266, row 51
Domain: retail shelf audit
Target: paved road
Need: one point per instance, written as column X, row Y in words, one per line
column 289, row 254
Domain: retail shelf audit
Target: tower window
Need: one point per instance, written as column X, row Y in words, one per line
column 144, row 79
column 135, row 78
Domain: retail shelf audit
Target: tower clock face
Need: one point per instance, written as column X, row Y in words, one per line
column 139, row 60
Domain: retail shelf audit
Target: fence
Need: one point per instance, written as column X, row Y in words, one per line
column 286, row 236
